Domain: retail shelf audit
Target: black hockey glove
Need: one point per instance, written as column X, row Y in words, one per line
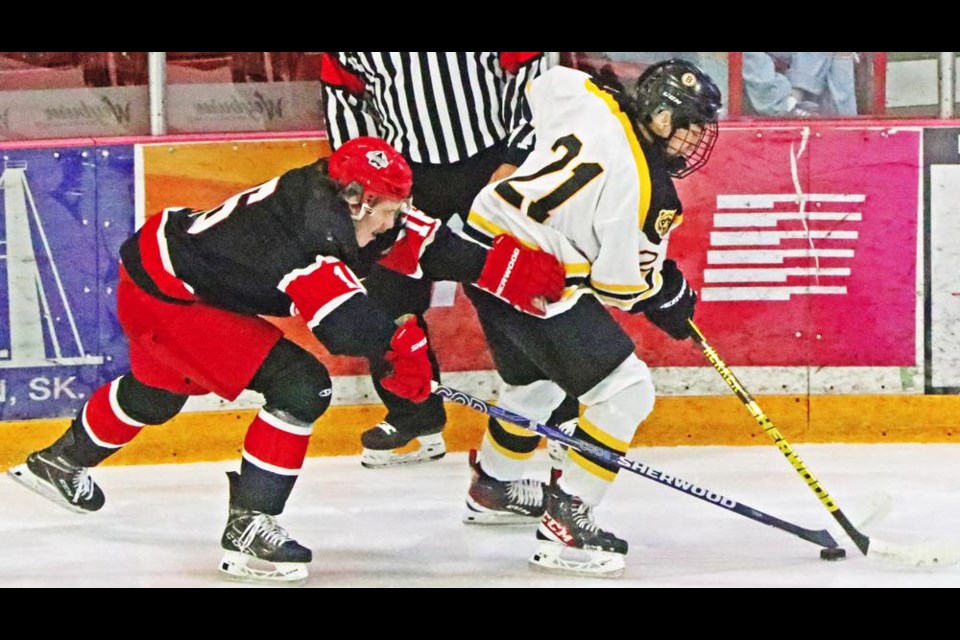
column 673, row 306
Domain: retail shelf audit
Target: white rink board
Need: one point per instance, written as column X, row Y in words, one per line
column 945, row 274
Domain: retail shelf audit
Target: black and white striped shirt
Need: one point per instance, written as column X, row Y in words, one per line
column 433, row 107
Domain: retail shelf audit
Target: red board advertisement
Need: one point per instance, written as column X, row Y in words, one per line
column 802, row 242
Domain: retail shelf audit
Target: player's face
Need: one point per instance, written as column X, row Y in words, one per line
column 684, row 141
column 378, row 218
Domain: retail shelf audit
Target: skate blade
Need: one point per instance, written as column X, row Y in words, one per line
column 476, row 514
column 22, row 474
column 245, row 568
column 374, row 459
column 554, row 557
column 497, row 518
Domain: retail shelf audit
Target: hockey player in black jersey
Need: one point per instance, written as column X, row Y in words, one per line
column 192, row 287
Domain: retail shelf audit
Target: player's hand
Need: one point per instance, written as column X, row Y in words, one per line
column 673, row 306
column 526, row 278
column 412, row 373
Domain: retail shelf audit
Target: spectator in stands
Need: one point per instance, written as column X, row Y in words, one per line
column 804, row 83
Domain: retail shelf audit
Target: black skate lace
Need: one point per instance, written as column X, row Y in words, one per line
column 526, row 492
column 265, row 526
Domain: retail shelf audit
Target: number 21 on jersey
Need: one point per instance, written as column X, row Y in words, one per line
column 540, row 208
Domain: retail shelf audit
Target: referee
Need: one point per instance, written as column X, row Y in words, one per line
column 461, row 120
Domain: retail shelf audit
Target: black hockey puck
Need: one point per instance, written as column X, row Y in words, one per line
column 833, row 553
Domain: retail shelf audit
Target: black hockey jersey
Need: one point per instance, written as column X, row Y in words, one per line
column 288, row 247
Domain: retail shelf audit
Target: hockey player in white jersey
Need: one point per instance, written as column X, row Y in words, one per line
column 597, row 192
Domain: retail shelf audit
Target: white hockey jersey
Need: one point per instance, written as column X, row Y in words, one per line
column 592, row 192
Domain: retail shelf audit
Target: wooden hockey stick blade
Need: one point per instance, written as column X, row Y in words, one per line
column 924, row 554
column 918, row 555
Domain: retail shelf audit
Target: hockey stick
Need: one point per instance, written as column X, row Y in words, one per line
column 935, row 553
column 821, row 537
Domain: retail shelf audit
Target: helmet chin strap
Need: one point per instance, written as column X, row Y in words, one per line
column 361, row 213
column 358, row 202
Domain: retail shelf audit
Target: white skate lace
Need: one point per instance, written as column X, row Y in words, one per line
column 387, row 428
column 570, row 426
column 267, row 527
column 82, row 486
column 583, row 516
column 525, row 492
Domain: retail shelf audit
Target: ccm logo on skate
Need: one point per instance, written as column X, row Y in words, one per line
column 558, row 530
column 506, row 274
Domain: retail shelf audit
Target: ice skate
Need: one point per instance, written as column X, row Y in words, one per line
column 258, row 549
column 492, row 501
column 385, row 446
column 59, row 480
column 570, row 541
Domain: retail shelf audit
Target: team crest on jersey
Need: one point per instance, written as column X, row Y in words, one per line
column 665, row 220
column 377, row 159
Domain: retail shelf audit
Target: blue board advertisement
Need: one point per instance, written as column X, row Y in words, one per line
column 63, row 215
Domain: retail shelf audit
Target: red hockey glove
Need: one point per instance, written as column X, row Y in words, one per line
column 412, row 373
column 521, row 276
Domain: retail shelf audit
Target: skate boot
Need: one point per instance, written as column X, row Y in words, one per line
column 492, row 501
column 570, row 542
column 59, row 480
column 258, row 549
column 382, row 442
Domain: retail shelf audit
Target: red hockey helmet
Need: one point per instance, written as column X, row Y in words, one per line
column 368, row 168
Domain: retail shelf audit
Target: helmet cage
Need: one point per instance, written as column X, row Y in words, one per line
column 693, row 156
column 692, row 98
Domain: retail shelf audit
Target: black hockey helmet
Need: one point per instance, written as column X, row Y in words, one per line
column 692, row 99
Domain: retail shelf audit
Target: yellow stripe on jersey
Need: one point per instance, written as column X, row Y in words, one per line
column 478, row 221
column 603, row 437
column 475, row 219
column 592, row 467
column 614, row 296
column 619, row 288
column 643, row 171
column 515, row 430
column 507, row 452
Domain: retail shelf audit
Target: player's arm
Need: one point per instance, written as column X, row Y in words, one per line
column 330, row 298
column 522, row 67
column 515, row 273
column 626, row 268
column 344, row 100
column 642, row 282
column 619, row 276
column 673, row 305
